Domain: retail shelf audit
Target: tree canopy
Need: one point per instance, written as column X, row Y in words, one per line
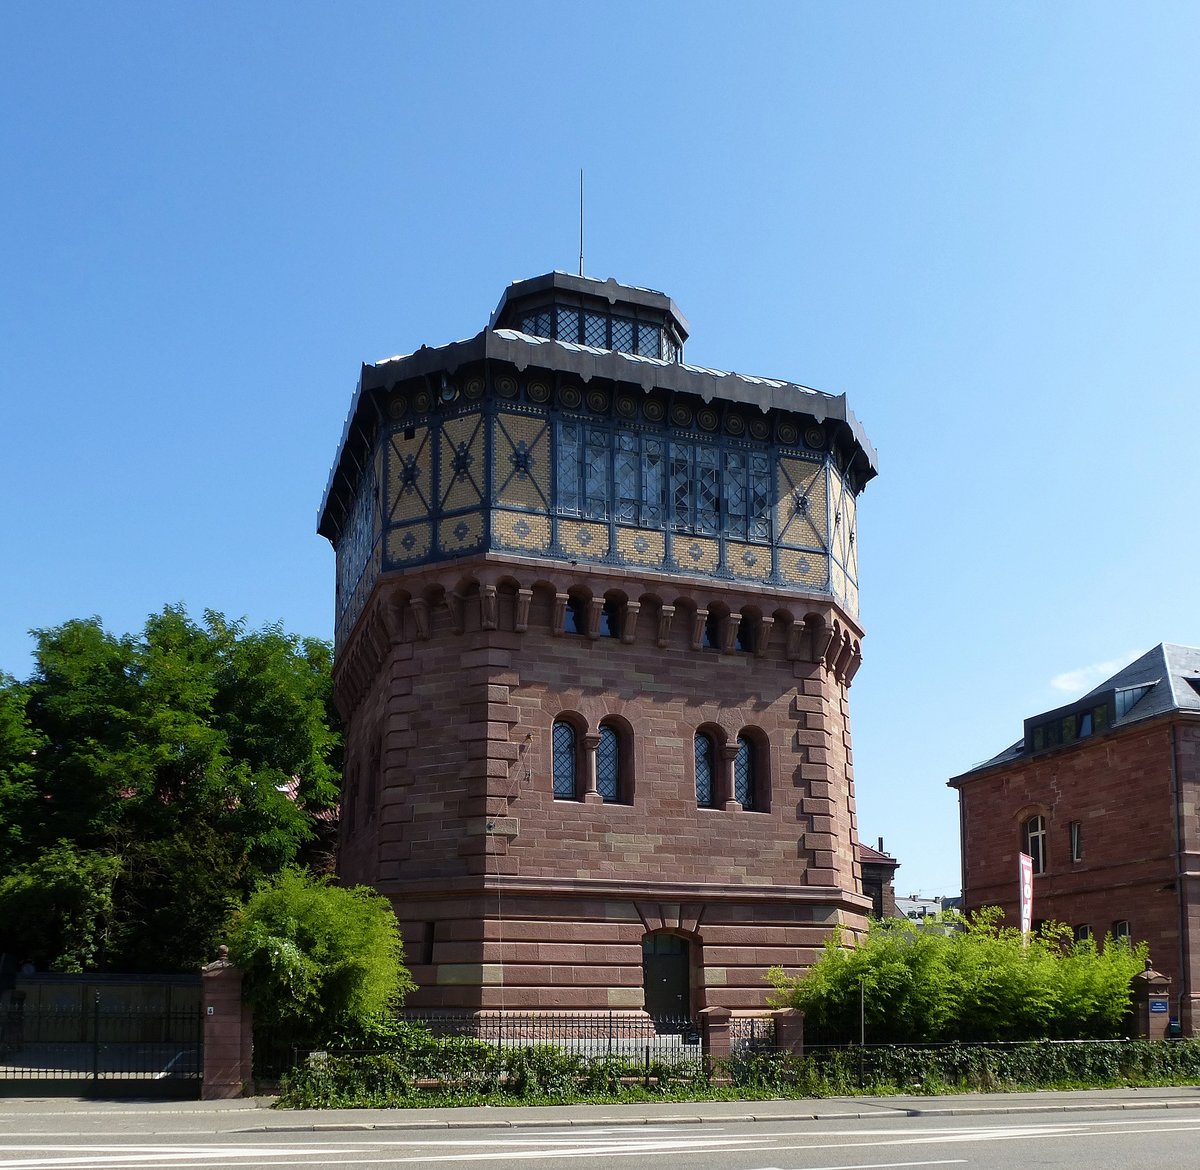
column 148, row 782
column 964, row 978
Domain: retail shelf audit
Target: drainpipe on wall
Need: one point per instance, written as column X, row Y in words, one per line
column 962, row 847
column 1180, row 886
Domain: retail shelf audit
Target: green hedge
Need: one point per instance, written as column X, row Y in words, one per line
column 969, row 1067
column 421, row 1070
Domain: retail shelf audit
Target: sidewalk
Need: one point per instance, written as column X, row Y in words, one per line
column 254, row 1114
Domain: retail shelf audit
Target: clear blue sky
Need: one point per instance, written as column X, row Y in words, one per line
column 978, row 220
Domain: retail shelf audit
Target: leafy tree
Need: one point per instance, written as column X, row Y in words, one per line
column 964, row 978
column 19, row 746
column 319, row 959
column 60, row 906
column 198, row 756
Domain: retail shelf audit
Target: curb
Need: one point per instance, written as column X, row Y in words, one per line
column 695, row 1119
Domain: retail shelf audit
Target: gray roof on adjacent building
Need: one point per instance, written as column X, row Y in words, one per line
column 1170, row 672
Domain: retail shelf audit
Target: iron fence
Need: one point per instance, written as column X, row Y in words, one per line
column 94, row 1044
column 599, row 1034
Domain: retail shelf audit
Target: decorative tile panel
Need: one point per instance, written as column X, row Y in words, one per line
column 844, row 508
column 462, row 470
column 807, row 569
column 458, row 534
column 696, row 554
column 801, row 508
column 581, row 539
column 640, row 546
column 524, row 530
column 748, row 560
column 410, row 475
column 521, row 461
column 408, row 543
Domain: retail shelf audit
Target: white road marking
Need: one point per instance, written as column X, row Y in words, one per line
column 398, row 1148
column 878, row 1165
column 125, row 1155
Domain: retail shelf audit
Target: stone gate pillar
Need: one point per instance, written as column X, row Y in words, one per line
column 1151, row 1005
column 228, row 1031
column 789, row 1030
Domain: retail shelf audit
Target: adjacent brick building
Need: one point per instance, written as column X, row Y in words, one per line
column 878, row 877
column 596, row 625
column 1104, row 795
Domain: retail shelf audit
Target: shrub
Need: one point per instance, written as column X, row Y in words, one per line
column 320, row 960
column 968, row 979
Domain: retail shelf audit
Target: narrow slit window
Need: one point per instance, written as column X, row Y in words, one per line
column 566, row 772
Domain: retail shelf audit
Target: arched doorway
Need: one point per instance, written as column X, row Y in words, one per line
column 666, row 976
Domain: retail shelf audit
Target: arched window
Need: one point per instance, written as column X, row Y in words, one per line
column 744, row 773
column 712, row 633
column 706, row 754
column 566, row 762
column 747, row 636
column 608, row 764
column 1034, row 839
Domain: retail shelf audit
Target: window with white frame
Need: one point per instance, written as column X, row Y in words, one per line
column 1034, row 841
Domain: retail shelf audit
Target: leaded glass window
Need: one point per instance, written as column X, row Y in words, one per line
column 566, row 761
column 705, row 754
column 643, row 479
column 570, row 451
column 681, row 487
column 595, row 474
column 654, row 460
column 626, row 477
column 743, row 773
column 708, row 491
column 622, row 335
column 736, row 496
column 568, row 324
column 595, row 330
column 759, row 526
column 608, row 764
column 538, row 324
column 647, row 340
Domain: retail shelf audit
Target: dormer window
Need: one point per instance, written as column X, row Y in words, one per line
column 1129, row 698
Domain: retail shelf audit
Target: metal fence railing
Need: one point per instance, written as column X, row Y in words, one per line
column 94, row 1044
column 590, row 1034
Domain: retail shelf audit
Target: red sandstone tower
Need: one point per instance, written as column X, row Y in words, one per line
column 596, row 623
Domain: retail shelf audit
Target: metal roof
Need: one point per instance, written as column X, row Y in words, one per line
column 1172, row 674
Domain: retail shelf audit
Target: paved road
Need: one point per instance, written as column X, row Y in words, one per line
column 1093, row 1131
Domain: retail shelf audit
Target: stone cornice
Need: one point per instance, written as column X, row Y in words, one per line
column 793, row 626
column 574, row 888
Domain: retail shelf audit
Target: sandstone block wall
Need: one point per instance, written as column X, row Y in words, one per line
column 511, row 897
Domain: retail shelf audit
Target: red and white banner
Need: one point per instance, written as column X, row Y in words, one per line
column 1025, row 872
